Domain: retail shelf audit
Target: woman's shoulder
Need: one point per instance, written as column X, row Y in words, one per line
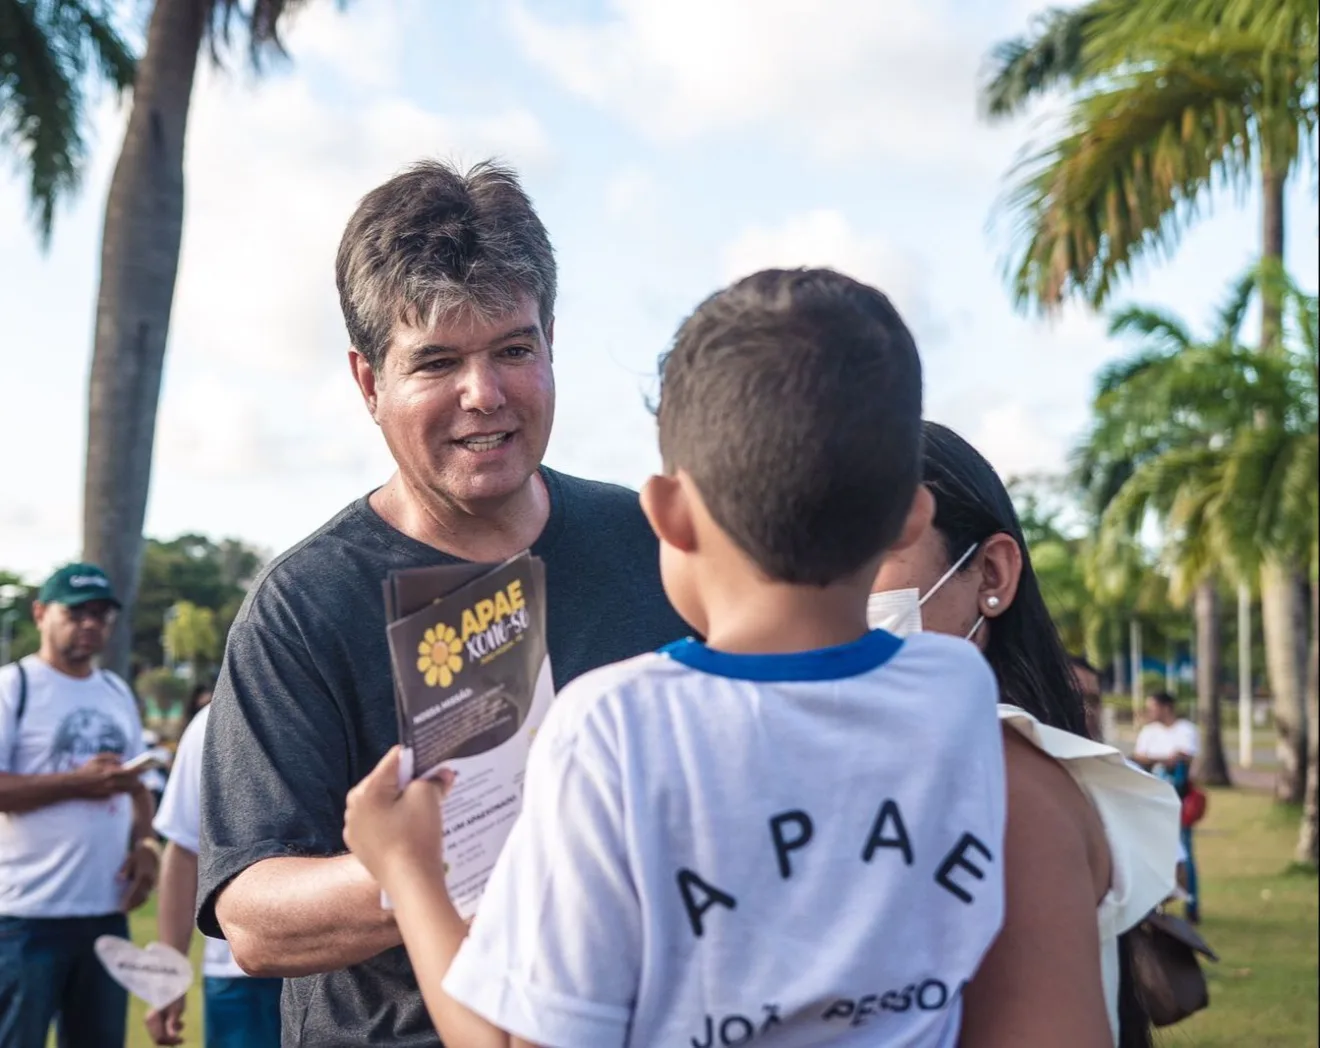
column 1043, row 794
column 1130, row 817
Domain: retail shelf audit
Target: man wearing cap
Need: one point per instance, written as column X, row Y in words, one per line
column 76, row 845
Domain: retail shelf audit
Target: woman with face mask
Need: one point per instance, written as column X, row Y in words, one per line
column 1091, row 844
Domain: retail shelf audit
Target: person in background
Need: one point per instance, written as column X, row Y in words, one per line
column 1088, row 686
column 153, row 778
column 240, row 1012
column 198, row 700
column 1166, row 745
column 76, row 847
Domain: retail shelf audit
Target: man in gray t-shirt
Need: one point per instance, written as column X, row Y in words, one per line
column 447, row 283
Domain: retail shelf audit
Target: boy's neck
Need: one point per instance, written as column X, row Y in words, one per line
column 782, row 619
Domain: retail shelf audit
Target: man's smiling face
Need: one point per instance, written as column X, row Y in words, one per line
column 466, row 406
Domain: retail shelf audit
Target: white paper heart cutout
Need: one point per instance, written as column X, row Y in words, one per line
column 157, row 973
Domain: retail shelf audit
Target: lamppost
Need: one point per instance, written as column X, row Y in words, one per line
column 8, row 594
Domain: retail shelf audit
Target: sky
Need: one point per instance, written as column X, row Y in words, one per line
column 669, row 145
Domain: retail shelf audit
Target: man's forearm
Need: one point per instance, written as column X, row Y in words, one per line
column 25, row 793
column 287, row 917
column 177, row 897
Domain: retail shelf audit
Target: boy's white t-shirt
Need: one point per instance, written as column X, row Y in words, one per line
column 63, row 860
column 180, row 821
column 782, row 850
column 1162, row 742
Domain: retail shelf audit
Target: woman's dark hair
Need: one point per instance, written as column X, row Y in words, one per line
column 1024, row 649
column 971, row 505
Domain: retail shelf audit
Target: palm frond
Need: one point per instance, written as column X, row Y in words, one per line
column 117, row 63
column 1167, row 331
column 262, row 22
column 1026, row 67
column 1233, row 313
column 46, row 50
column 1126, row 180
column 1282, row 24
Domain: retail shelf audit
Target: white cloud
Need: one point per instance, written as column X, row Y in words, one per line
column 842, row 77
column 364, row 52
column 825, row 237
column 631, row 193
column 42, row 534
column 1013, row 438
column 258, row 408
column 275, row 169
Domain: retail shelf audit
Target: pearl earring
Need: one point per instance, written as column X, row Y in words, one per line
column 992, row 602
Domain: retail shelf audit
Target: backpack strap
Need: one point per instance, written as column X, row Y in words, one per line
column 22, row 695
column 120, row 685
column 20, row 706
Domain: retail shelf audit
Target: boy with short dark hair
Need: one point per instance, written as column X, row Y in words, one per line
column 765, row 837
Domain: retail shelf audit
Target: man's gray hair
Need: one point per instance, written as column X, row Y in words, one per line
column 433, row 241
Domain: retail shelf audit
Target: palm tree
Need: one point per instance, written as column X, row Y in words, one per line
column 1169, row 100
column 47, row 51
column 1220, row 444
column 1308, row 839
column 139, row 262
column 1276, row 473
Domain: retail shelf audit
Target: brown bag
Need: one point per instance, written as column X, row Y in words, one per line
column 1167, row 974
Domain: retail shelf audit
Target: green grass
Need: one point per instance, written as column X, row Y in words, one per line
column 1262, row 921
column 1259, row 917
column 142, row 926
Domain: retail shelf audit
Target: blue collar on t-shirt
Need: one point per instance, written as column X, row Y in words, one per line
column 847, row 660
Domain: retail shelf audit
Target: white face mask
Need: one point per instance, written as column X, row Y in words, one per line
column 899, row 611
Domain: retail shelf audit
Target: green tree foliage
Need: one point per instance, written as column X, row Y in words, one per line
column 194, row 569
column 16, row 597
column 1168, row 100
column 191, row 636
column 49, row 52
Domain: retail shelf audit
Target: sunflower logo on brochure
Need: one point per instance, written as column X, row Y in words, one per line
column 467, row 656
column 440, row 655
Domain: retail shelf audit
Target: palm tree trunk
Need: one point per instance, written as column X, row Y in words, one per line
column 1282, row 618
column 1273, row 199
column 1138, row 683
column 1211, row 769
column 139, row 261
column 1120, row 673
column 1308, row 841
column 1282, row 612
column 1246, row 745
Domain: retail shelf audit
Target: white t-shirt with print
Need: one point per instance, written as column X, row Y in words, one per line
column 1163, row 742
column 781, row 850
column 63, row 860
column 180, row 821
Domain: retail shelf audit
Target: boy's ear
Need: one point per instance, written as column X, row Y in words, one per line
column 666, row 505
column 919, row 518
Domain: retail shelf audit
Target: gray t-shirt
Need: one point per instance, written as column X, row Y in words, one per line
column 304, row 708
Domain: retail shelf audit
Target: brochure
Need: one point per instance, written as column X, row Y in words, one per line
column 472, row 685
